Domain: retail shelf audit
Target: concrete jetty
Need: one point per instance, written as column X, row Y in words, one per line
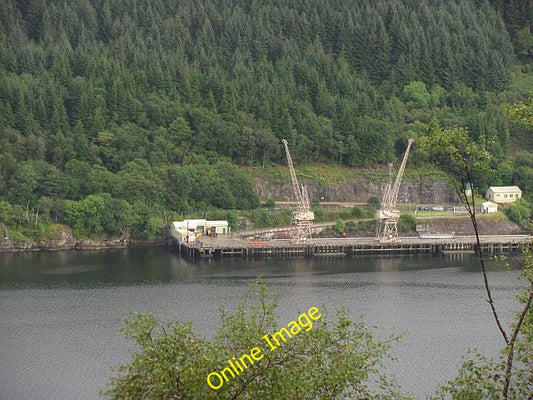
column 226, row 246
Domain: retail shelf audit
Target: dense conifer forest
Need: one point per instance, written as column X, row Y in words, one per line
column 115, row 114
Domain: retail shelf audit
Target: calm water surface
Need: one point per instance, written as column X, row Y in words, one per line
column 61, row 312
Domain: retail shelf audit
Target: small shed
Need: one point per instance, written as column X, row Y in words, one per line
column 218, row 227
column 489, row 207
column 503, row 194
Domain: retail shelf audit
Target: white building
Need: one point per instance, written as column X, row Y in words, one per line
column 189, row 230
column 503, row 194
column 489, row 207
column 468, row 189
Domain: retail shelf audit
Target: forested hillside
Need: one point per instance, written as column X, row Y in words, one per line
column 115, row 112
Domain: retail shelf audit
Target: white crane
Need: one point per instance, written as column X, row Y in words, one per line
column 389, row 215
column 304, row 217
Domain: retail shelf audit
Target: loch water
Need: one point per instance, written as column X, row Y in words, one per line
column 61, row 312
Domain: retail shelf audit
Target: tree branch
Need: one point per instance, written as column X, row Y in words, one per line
column 512, row 342
column 471, row 208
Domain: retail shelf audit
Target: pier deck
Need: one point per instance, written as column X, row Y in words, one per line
column 224, row 246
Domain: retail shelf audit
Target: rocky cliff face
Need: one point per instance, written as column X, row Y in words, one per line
column 65, row 240
column 463, row 226
column 359, row 190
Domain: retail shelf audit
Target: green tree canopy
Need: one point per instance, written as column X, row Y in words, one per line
column 325, row 358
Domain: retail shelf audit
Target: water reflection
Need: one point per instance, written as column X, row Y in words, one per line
column 60, row 311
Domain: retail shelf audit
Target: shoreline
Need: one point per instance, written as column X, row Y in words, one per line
column 9, row 246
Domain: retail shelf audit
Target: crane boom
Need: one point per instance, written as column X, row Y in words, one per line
column 303, row 218
column 295, row 186
column 388, row 215
column 388, row 187
column 391, row 199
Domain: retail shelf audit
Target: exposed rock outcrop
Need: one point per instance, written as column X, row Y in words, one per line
column 359, row 190
column 65, row 240
column 463, row 226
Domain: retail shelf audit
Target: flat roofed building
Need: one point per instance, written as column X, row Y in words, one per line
column 217, row 227
column 503, row 194
column 189, row 230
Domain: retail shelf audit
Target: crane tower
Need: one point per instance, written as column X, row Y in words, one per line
column 389, row 215
column 304, row 217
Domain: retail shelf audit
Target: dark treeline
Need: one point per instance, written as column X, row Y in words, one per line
column 112, row 112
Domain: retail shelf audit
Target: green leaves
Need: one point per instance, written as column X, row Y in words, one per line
column 474, row 381
column 416, row 95
column 340, row 226
column 85, row 216
column 510, row 376
column 336, row 358
column 185, row 85
column 169, row 365
column 523, row 112
column 456, row 144
column 519, row 210
column 454, row 151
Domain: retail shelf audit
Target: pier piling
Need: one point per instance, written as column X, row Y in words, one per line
column 350, row 247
